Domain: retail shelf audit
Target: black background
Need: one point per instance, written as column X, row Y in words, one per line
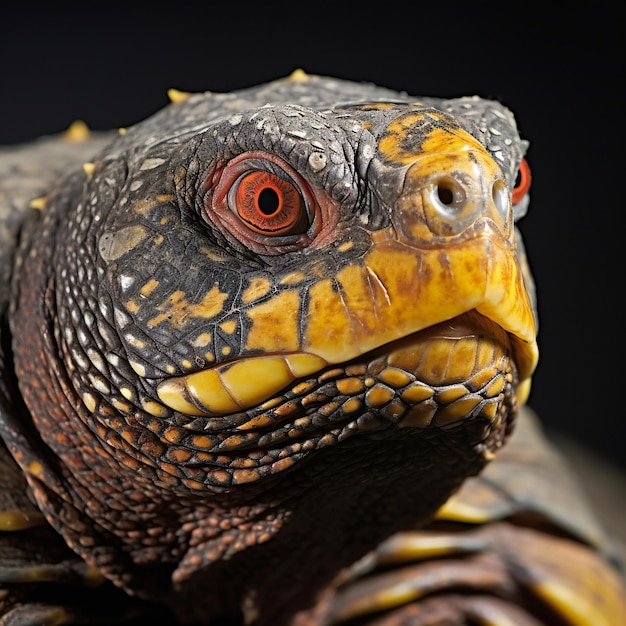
column 559, row 70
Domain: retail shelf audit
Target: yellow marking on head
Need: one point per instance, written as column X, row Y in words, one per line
column 202, row 340
column 176, row 96
column 275, row 324
column 38, row 203
column 293, row 279
column 257, row 288
column 143, row 206
column 114, row 244
column 328, row 323
column 214, row 255
column 345, row 246
column 149, row 287
column 177, row 310
column 78, row 132
column 132, row 306
column 393, row 144
column 89, row 168
column 298, row 76
column 377, row 106
column 229, row 327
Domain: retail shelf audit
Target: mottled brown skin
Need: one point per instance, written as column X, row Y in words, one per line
column 137, row 272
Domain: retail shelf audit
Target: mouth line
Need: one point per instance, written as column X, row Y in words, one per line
column 438, row 377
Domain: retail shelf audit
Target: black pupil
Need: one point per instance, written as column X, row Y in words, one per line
column 268, row 201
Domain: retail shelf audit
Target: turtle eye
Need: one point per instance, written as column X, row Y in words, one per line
column 522, row 184
column 269, row 204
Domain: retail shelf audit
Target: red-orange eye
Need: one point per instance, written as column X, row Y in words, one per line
column 522, row 184
column 269, row 204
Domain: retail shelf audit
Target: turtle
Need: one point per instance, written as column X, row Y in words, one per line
column 265, row 360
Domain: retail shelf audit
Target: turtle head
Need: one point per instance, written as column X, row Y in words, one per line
column 259, row 301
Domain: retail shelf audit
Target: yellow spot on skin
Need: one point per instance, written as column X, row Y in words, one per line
column 299, row 76
column 35, row 468
column 154, row 408
column 149, row 287
column 352, row 405
column 349, row 386
column 78, row 132
column 257, row 288
column 226, row 350
column 275, row 324
column 229, row 327
column 120, row 405
column 417, row 393
column 451, row 393
column 378, row 106
column 112, row 245
column 456, row 411
column 202, row 340
column 177, row 310
column 378, row 396
column 89, row 168
column 121, row 131
column 38, row 203
column 201, row 441
column 214, row 255
column 176, row 96
column 345, row 246
column 293, row 279
column 143, row 206
column 132, row 306
column 138, row 368
column 495, row 387
column 245, row 476
column 186, row 364
column 89, row 400
column 394, row 377
column 126, row 392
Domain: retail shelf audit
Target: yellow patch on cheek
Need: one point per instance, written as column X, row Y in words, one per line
column 275, row 324
column 177, row 309
column 257, row 289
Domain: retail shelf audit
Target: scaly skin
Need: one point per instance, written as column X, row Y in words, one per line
column 211, row 401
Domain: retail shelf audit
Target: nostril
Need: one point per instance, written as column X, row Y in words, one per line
column 445, row 194
column 448, row 195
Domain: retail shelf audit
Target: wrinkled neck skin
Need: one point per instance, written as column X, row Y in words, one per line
column 212, row 552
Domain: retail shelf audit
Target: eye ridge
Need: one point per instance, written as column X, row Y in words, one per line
column 269, row 204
